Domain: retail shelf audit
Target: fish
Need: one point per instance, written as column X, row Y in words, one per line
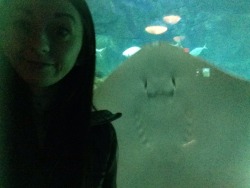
column 131, row 51
column 172, row 19
column 100, row 50
column 197, row 51
column 185, row 123
column 156, row 29
column 178, row 38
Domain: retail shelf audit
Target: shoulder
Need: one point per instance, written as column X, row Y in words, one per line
column 103, row 117
column 102, row 129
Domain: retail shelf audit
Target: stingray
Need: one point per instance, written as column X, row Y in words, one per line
column 185, row 123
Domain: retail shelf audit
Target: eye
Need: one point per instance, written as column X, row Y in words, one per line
column 62, row 32
column 23, row 26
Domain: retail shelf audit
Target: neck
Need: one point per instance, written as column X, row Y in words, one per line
column 38, row 91
column 43, row 97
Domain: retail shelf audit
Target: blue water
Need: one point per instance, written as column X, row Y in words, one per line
column 222, row 25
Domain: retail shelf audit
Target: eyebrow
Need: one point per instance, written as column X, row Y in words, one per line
column 60, row 14
column 57, row 14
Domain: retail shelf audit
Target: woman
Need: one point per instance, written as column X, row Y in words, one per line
column 47, row 53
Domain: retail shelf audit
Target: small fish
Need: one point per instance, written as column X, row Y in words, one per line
column 172, row 19
column 178, row 38
column 197, row 51
column 156, row 29
column 100, row 50
column 131, row 51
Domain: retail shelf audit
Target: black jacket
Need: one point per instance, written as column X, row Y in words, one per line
column 101, row 167
column 105, row 149
column 62, row 165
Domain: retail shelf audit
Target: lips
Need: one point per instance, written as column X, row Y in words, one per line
column 40, row 63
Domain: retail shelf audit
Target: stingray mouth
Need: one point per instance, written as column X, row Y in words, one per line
column 153, row 89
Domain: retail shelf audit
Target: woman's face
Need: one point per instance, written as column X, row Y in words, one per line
column 41, row 39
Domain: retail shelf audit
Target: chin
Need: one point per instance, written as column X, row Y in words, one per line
column 40, row 83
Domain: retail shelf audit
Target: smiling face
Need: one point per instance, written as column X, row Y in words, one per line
column 41, row 39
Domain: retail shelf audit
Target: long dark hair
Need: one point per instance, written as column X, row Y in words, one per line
column 79, row 82
column 74, row 113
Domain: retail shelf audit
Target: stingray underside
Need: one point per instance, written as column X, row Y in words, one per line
column 185, row 123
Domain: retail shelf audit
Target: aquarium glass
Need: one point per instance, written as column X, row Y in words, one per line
column 222, row 27
column 159, row 107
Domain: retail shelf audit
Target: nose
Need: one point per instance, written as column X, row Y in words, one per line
column 39, row 43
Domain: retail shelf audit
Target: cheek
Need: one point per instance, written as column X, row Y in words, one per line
column 70, row 52
column 11, row 45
